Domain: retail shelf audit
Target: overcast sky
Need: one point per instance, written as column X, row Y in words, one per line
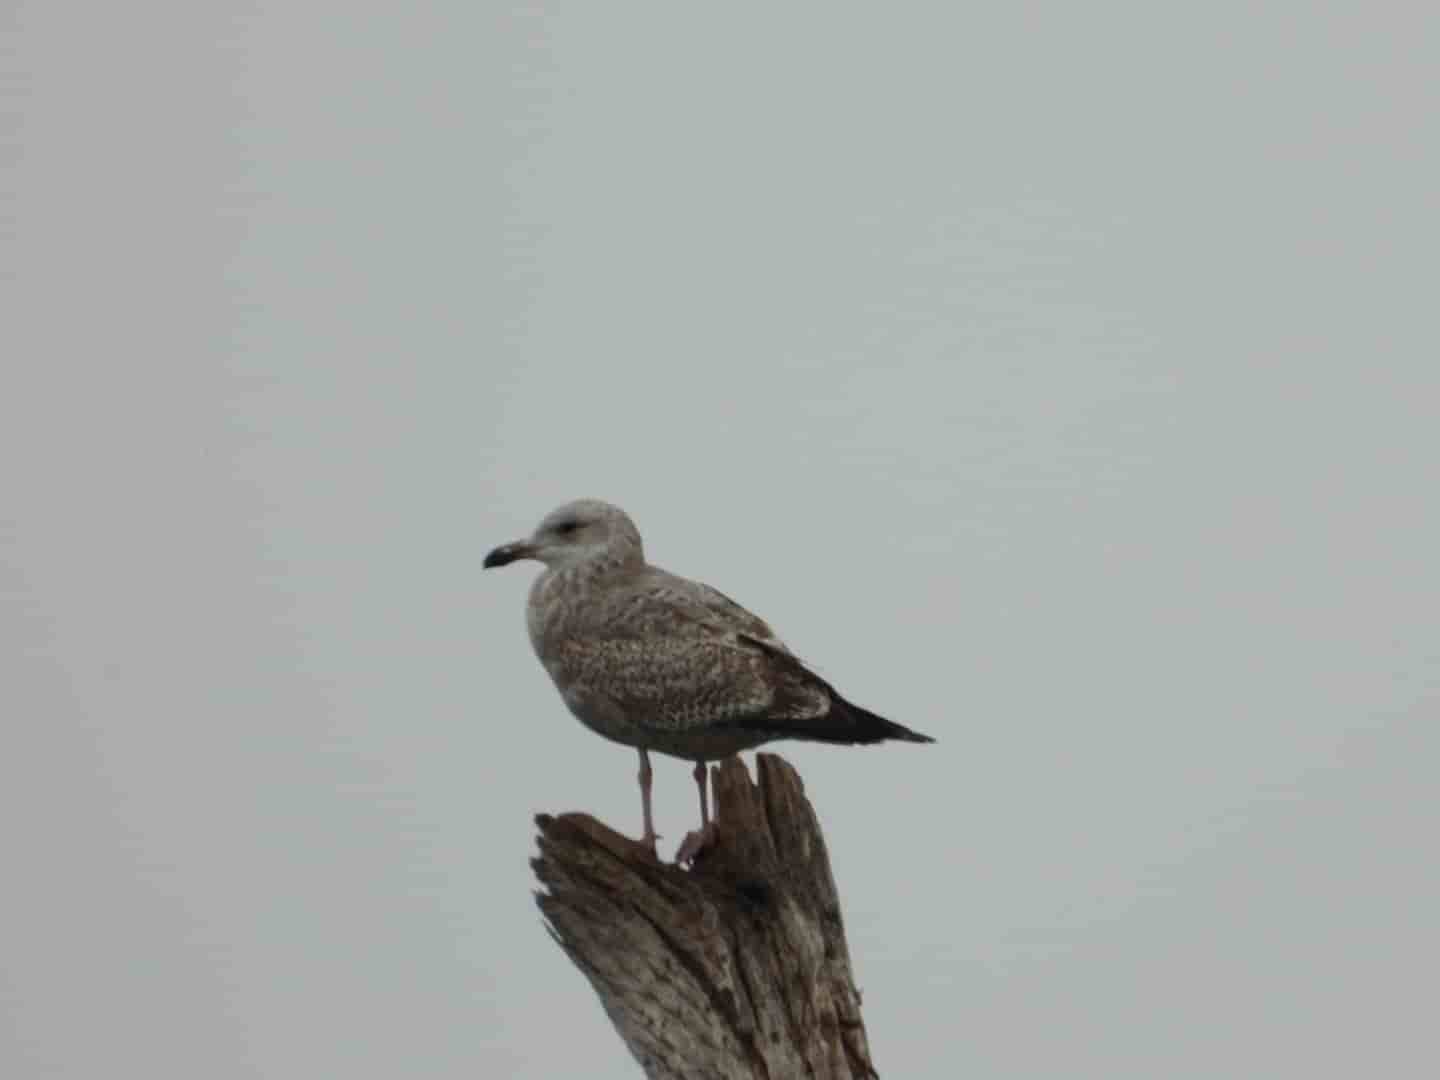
column 1061, row 380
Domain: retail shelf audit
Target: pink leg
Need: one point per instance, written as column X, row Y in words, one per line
column 702, row 778
column 703, row 837
column 645, row 776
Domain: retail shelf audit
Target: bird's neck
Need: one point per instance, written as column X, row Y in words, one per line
column 603, row 566
column 557, row 595
column 574, row 578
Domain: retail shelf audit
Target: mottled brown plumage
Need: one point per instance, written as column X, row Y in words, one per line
column 660, row 662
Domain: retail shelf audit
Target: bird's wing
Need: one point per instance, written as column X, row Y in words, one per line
column 707, row 604
column 678, row 655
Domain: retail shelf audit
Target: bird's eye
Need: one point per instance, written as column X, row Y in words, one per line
column 566, row 528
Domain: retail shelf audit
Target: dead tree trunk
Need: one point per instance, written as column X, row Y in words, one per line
column 737, row 968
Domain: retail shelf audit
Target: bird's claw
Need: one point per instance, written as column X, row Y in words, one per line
column 695, row 844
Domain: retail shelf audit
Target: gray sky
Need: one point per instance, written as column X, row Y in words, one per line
column 1061, row 380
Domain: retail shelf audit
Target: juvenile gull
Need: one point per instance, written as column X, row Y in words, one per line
column 662, row 663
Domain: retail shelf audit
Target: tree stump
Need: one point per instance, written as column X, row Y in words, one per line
column 736, row 968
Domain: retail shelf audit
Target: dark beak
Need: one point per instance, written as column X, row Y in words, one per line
column 508, row 553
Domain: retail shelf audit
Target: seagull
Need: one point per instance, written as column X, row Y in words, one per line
column 659, row 662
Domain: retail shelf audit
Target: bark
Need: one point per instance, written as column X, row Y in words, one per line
column 734, row 969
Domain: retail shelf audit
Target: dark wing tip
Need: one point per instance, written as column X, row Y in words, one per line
column 843, row 722
column 888, row 729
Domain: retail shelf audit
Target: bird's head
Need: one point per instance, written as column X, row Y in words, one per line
column 582, row 531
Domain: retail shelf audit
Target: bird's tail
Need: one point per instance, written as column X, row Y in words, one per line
column 849, row 723
column 844, row 722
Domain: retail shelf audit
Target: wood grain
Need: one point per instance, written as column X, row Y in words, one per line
column 736, row 968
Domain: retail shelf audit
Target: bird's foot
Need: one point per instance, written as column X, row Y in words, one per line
column 647, row 842
column 695, row 843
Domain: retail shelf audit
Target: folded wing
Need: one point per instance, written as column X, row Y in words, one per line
column 677, row 656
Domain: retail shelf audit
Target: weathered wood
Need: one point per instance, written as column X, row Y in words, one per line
column 736, row 968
